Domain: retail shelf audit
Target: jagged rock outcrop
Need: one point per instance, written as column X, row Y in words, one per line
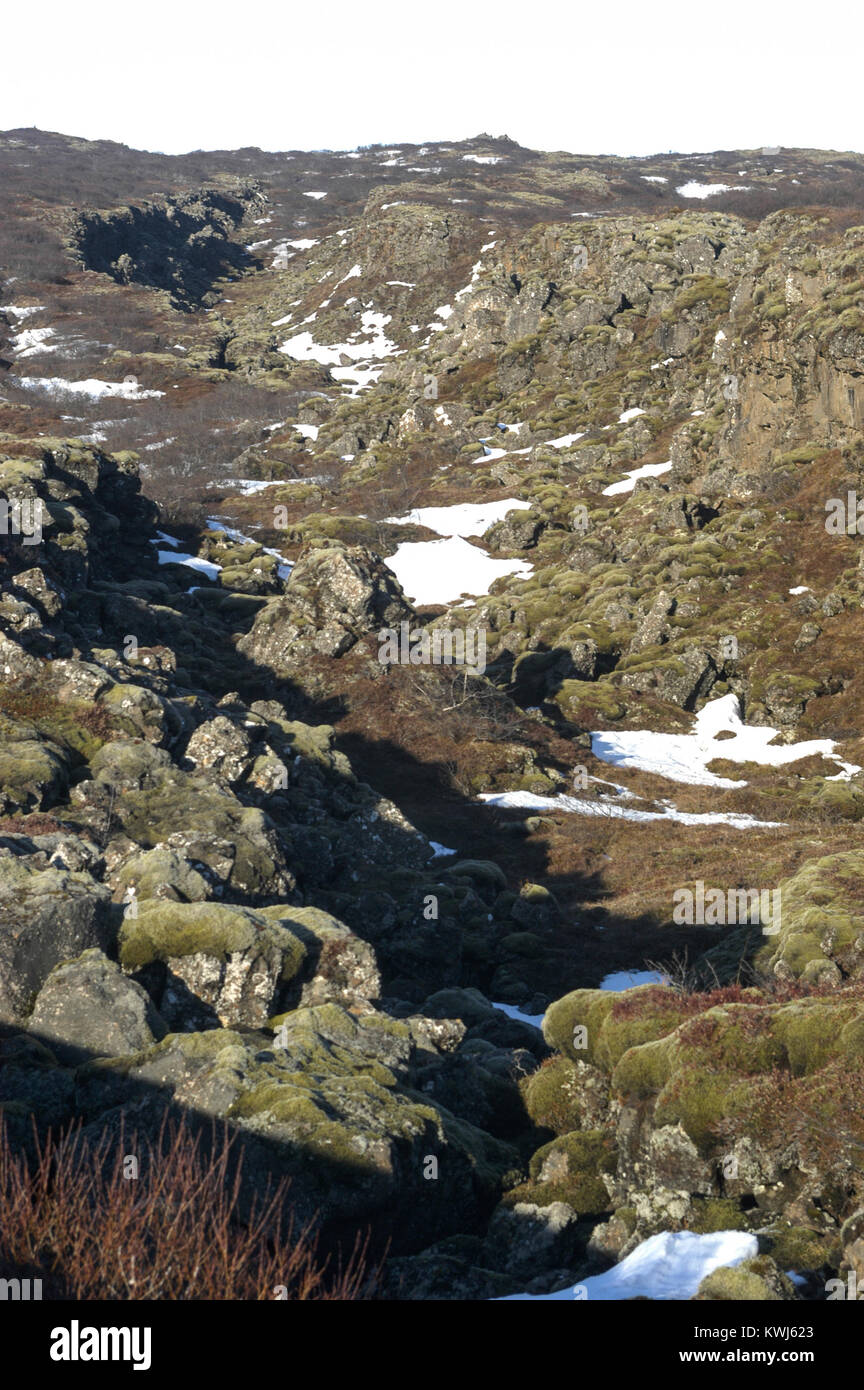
column 179, row 244
column 168, row 935
column 334, row 596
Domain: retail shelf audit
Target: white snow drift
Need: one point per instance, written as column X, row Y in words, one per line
column 93, row 388
column 629, row 481
column 609, row 808
column 441, row 571
column 667, row 1266
column 462, row 519
column 684, row 757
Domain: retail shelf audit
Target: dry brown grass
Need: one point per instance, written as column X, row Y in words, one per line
column 34, row 824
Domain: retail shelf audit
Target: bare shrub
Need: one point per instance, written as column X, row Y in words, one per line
column 69, row 1216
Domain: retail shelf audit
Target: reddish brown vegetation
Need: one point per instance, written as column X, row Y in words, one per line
column 70, row 1217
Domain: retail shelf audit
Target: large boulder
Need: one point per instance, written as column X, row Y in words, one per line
column 338, row 968
column 33, row 775
column 334, row 596
column 222, row 745
column 525, row 1240
column 222, row 964
column 205, row 825
column 47, row 915
column 88, row 1006
column 820, row 936
column 682, row 677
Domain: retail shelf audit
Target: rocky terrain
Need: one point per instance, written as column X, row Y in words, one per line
column 424, row 934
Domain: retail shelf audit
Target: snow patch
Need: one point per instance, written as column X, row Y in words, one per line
column 32, row 340
column 564, row 441
column 442, row 571
column 629, row 481
column 533, row 1020
column 440, row 851
column 710, row 190
column 609, row 808
column 462, row 519
column 685, row 757
column 179, row 557
column 667, row 1266
column 92, row 387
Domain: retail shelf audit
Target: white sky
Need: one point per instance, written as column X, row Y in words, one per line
column 621, row 78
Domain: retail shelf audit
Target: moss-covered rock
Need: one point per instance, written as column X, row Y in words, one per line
column 204, row 824
column 562, row 1096
column 338, row 965
column 757, row 1280
column 47, row 915
column 802, row 1250
column 33, row 775
column 231, row 960
column 822, row 918
column 570, row 1169
column 330, row 1106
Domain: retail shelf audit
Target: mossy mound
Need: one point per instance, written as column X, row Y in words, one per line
column 588, row 1151
column 754, row 1281
column 600, row 1025
column 801, row 1249
column 709, row 1066
column 570, row 1169
column 551, row 1096
column 822, row 919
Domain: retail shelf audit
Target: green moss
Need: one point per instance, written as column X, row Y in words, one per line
column 842, row 801
column 628, row 1217
column 152, row 815
column 217, row 1045
column 551, row 1096
column 805, row 453
column 803, row 1249
column 643, row 1071
column 656, row 1014
column 715, row 1214
column 31, row 774
column 570, row 1169
column 822, row 901
column 73, row 726
column 583, row 1151
column 597, row 698
column 162, row 930
column 741, row 1284
column 699, row 1101
column 583, row 1009
column 813, row 1031
column 704, row 289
